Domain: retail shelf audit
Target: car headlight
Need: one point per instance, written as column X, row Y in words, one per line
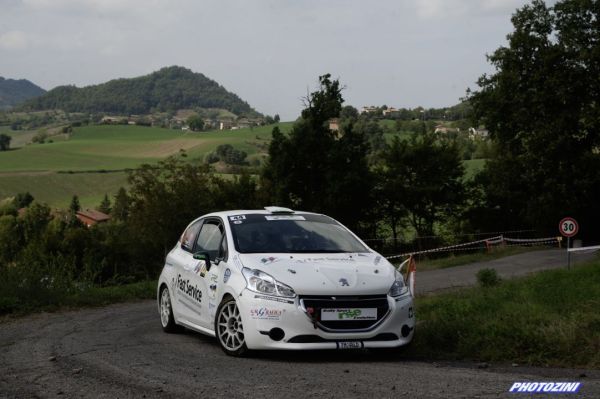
column 264, row 283
column 399, row 288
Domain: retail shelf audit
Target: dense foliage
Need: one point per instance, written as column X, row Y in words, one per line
column 541, row 108
column 168, row 89
column 14, row 92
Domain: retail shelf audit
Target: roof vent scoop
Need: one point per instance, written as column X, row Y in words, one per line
column 278, row 209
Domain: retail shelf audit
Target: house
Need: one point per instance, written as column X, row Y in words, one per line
column 90, row 217
column 334, row 124
column 446, row 130
column 369, row 109
column 478, row 133
column 390, row 110
column 225, row 125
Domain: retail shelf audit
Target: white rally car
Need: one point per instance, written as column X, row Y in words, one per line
column 279, row 279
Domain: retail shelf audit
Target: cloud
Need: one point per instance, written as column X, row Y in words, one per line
column 14, row 40
column 439, row 9
column 98, row 7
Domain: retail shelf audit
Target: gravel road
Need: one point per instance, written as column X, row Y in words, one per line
column 120, row 351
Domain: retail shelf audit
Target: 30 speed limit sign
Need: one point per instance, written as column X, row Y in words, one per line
column 568, row 227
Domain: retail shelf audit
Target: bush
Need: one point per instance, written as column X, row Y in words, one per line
column 488, row 278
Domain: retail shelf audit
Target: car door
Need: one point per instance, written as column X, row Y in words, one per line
column 210, row 242
column 217, row 277
column 186, row 292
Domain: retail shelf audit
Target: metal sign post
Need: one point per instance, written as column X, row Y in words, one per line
column 568, row 227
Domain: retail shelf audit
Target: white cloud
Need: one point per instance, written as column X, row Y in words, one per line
column 14, row 40
column 439, row 9
column 97, row 6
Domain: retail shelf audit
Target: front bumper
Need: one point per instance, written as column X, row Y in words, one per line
column 261, row 314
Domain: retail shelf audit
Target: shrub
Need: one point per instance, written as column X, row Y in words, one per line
column 488, row 277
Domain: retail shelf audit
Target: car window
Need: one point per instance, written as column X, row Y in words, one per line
column 292, row 234
column 210, row 237
column 189, row 236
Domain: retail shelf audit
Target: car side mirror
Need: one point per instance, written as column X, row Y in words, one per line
column 203, row 256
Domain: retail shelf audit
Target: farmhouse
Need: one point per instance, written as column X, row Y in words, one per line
column 90, row 217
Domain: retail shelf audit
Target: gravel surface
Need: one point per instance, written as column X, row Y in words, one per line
column 120, row 351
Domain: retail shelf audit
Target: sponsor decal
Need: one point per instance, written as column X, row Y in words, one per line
column 349, row 314
column 237, row 222
column 189, row 289
column 545, row 387
column 226, row 275
column 237, row 217
column 326, row 259
column 344, row 282
column 214, row 278
column 410, row 313
column 270, row 259
column 273, row 298
column 377, row 260
column 285, row 217
column 266, row 313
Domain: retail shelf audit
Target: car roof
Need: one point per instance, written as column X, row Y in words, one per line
column 258, row 212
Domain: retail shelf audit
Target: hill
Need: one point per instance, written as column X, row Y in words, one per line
column 168, row 89
column 14, row 92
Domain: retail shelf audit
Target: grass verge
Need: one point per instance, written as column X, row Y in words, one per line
column 459, row 260
column 549, row 319
column 20, row 304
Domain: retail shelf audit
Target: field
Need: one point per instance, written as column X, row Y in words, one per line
column 98, row 149
column 91, row 151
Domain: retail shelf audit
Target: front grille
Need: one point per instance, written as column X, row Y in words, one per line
column 317, row 303
column 309, row 339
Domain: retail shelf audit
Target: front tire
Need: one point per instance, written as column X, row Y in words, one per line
column 167, row 320
column 229, row 329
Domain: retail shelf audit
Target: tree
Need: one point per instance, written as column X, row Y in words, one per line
column 196, row 123
column 74, row 207
column 163, row 199
column 541, row 108
column 120, row 210
column 22, row 200
column 311, row 170
column 5, row 142
column 104, row 206
column 422, row 178
column 276, row 118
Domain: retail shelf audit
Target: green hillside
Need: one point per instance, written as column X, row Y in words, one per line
column 14, row 92
column 168, row 89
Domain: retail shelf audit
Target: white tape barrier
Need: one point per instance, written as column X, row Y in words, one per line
column 487, row 241
column 592, row 248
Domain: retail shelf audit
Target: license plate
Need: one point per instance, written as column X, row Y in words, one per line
column 349, row 345
column 350, row 314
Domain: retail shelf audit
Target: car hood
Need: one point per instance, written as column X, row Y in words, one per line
column 327, row 274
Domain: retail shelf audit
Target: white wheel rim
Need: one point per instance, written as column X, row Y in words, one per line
column 165, row 307
column 229, row 327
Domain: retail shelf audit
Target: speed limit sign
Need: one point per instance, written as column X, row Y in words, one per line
column 568, row 227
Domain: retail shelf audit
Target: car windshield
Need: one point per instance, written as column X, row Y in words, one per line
column 296, row 233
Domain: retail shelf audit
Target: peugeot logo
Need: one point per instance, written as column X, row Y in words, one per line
column 344, row 282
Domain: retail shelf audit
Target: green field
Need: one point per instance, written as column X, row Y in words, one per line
column 34, row 167
column 120, row 147
column 101, row 148
column 56, row 189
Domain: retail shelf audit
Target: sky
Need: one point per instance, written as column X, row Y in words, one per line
column 270, row 52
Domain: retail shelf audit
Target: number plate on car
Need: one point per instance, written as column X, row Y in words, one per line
column 349, row 345
column 349, row 314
